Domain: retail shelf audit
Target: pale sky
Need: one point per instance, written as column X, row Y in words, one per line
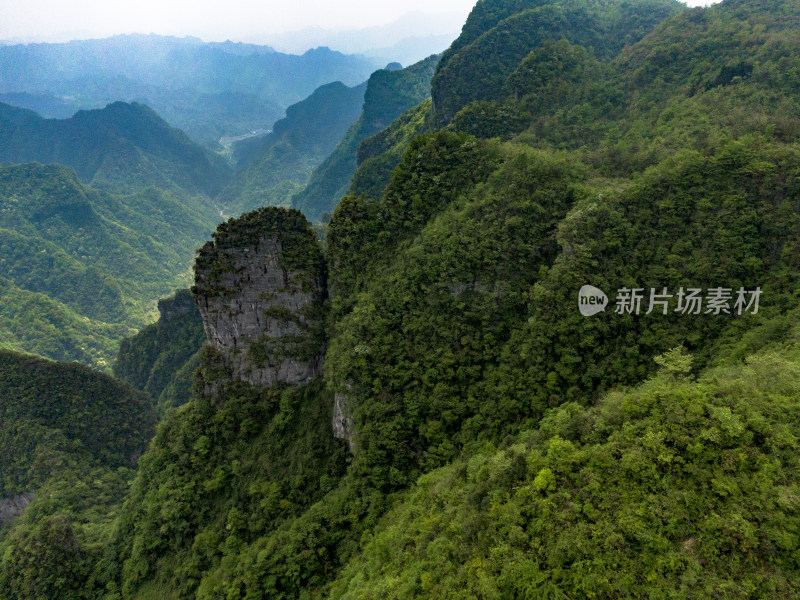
column 211, row 20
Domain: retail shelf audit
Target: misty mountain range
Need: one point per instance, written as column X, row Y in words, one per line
column 206, row 89
column 407, row 40
column 121, row 177
column 211, row 89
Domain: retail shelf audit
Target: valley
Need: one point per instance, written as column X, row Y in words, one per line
column 332, row 341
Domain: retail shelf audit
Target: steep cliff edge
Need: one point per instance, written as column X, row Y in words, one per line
column 260, row 286
column 259, row 428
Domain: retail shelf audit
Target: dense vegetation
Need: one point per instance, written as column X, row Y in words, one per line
column 81, row 267
column 70, row 439
column 462, row 304
column 674, row 489
column 123, row 148
column 389, row 93
column 499, row 444
column 498, row 35
column 208, row 90
column 161, row 359
column 378, row 155
column 260, row 459
column 273, row 167
column 51, row 407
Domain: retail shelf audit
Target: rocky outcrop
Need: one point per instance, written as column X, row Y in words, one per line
column 12, row 506
column 260, row 287
column 342, row 420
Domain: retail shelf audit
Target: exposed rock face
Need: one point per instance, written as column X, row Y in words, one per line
column 342, row 421
column 12, row 506
column 260, row 286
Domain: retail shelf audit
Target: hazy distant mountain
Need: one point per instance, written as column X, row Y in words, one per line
column 240, row 48
column 433, row 33
column 206, row 89
column 42, row 103
column 123, row 148
column 412, row 49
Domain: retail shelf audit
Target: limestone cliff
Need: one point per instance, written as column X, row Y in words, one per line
column 12, row 507
column 260, row 288
column 343, row 420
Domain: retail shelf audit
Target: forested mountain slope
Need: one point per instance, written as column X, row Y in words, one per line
column 70, row 439
column 71, row 408
column 81, row 267
column 498, row 35
column 425, row 411
column 389, row 93
column 161, row 358
column 273, row 167
column 122, row 148
column 667, row 489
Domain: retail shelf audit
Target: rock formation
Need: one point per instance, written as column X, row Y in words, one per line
column 260, row 286
column 342, row 421
column 13, row 506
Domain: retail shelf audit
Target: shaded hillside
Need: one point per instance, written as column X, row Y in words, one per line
column 161, row 358
column 380, row 154
column 58, row 407
column 389, row 93
column 71, row 437
column 274, row 167
column 122, row 148
column 497, row 36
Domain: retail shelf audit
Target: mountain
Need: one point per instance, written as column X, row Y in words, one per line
column 413, row 49
column 380, row 41
column 161, row 358
column 81, row 267
column 208, row 90
column 389, row 93
column 379, row 155
column 647, row 466
column 71, row 438
column 43, row 104
column 273, row 167
column 425, row 407
column 123, row 148
column 59, row 407
column 497, row 36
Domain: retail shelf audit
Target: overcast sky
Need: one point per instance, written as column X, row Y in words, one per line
column 212, row 20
